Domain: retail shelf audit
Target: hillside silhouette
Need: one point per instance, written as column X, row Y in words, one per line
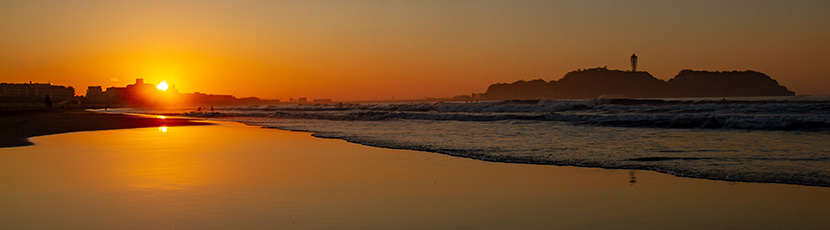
column 602, row 82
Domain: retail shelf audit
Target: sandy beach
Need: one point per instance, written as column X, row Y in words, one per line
column 232, row 176
column 17, row 126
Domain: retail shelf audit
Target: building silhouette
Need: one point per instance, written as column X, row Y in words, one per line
column 34, row 92
column 633, row 62
column 143, row 94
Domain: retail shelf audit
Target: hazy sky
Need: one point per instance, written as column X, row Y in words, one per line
column 350, row 50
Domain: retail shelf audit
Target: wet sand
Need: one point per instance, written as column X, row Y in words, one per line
column 232, row 176
column 17, row 126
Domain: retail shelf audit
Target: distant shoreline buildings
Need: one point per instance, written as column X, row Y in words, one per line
column 138, row 94
column 147, row 95
column 35, row 93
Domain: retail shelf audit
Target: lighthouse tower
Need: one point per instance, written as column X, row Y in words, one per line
column 633, row 62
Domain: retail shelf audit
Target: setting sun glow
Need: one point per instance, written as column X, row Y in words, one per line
column 162, row 86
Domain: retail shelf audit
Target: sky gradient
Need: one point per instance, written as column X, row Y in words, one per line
column 355, row 50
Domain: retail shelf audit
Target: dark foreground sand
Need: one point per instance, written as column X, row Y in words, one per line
column 17, row 126
column 232, row 176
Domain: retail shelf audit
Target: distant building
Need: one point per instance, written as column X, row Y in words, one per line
column 94, row 91
column 207, row 97
column 116, row 92
column 138, row 93
column 35, row 92
column 95, row 95
column 302, row 100
column 173, row 89
column 141, row 93
column 323, row 100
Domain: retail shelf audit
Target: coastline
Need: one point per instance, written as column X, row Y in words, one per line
column 17, row 127
column 46, row 123
column 233, row 175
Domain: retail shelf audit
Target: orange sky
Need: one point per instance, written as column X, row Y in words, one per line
column 352, row 50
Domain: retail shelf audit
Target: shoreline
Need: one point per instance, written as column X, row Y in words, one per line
column 233, row 175
column 39, row 123
column 17, row 127
column 520, row 161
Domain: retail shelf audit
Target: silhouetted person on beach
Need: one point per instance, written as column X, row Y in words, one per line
column 49, row 102
column 211, row 108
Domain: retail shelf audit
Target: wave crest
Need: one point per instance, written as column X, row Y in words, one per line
column 802, row 115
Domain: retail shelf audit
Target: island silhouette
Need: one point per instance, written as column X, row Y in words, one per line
column 602, row 82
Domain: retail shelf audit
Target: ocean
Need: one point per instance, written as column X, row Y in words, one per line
column 758, row 139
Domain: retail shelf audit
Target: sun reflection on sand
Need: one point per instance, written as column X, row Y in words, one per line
column 166, row 164
column 153, row 159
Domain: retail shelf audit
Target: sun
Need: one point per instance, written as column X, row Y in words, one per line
column 162, row 86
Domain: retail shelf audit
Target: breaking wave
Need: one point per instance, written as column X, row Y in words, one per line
column 799, row 115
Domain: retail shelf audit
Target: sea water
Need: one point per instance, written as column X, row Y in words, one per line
column 766, row 139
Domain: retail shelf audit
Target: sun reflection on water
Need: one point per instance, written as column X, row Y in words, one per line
column 163, row 162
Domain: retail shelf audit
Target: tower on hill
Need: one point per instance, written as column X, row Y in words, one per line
column 633, row 62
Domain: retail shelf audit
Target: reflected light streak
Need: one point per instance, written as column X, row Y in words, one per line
column 162, row 160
